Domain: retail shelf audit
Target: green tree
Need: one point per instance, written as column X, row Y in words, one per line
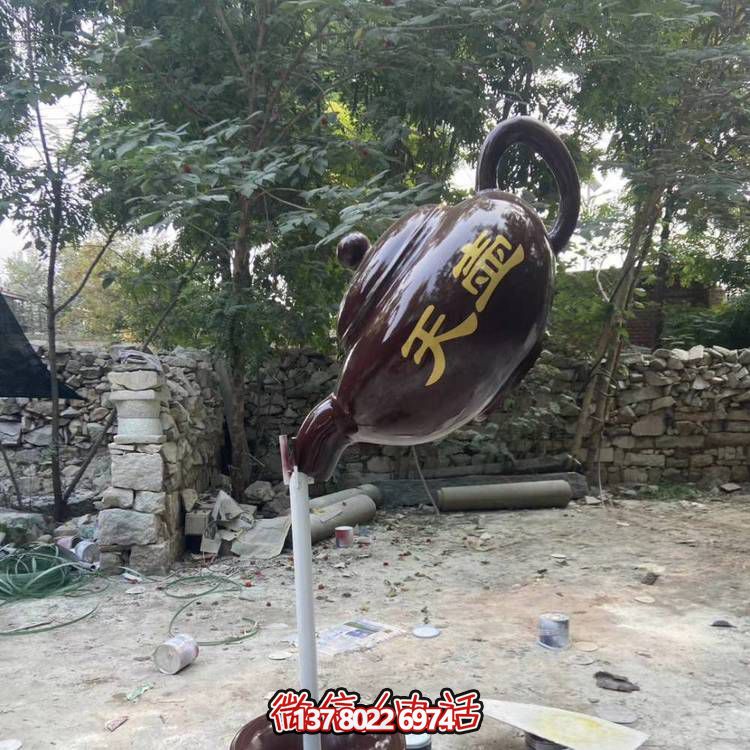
column 670, row 82
column 43, row 45
column 262, row 132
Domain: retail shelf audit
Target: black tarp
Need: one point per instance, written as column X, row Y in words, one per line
column 22, row 372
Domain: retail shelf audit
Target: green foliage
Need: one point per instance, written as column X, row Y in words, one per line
column 727, row 325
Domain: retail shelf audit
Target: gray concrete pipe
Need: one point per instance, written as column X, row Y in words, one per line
column 513, row 496
column 348, row 512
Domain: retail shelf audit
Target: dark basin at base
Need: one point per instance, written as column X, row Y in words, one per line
column 259, row 735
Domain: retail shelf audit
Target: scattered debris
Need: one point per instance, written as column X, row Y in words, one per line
column 617, row 714
column 264, row 540
column 11, row 744
column 581, row 660
column 280, row 655
column 609, row 681
column 644, row 599
column 730, row 487
column 136, row 693
column 722, row 624
column 585, row 646
column 650, row 578
column 426, row 631
column 354, row 635
column 591, row 500
column 114, row 724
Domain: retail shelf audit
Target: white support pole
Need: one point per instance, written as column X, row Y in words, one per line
column 303, row 586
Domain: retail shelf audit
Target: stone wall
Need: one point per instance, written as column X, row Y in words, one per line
column 145, row 467
column 681, row 415
column 25, row 428
column 677, row 416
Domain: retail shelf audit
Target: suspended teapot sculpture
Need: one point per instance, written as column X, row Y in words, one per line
column 445, row 313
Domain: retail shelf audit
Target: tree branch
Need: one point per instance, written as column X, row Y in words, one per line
column 90, row 270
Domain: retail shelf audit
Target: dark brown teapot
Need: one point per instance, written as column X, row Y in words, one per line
column 445, row 313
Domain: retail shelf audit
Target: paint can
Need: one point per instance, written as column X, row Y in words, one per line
column 418, row 742
column 539, row 743
column 554, row 630
column 176, row 654
column 87, row 551
column 344, row 536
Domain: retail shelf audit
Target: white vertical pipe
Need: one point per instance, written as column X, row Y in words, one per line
column 299, row 497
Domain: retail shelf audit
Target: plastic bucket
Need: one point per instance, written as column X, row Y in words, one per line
column 259, row 735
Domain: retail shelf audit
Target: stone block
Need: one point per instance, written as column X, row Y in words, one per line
column 624, row 441
column 636, row 395
column 138, row 471
column 634, row 476
column 259, row 492
column 150, row 502
column 728, row 438
column 680, row 441
column 117, row 497
column 42, row 436
column 189, row 499
column 152, row 559
column 607, row 455
column 700, row 461
column 10, row 432
column 663, row 403
column 645, row 459
column 111, row 563
column 135, row 380
column 653, row 425
column 127, row 527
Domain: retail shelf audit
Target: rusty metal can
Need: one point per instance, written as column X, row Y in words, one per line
column 175, row 654
column 344, row 536
column 554, row 630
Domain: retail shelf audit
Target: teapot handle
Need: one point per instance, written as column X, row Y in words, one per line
column 543, row 140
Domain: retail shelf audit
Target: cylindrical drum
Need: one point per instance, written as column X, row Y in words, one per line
column 550, row 493
column 87, row 551
column 554, row 630
column 176, row 654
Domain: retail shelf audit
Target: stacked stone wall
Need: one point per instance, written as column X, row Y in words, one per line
column 677, row 416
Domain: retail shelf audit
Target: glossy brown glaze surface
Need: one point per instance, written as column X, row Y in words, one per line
column 445, row 314
column 259, row 735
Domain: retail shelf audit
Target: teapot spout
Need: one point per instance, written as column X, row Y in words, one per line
column 327, row 430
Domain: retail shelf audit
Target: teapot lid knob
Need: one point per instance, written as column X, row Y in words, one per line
column 352, row 248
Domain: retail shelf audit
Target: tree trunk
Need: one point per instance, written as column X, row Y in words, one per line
column 60, row 505
column 241, row 465
column 57, row 488
column 662, row 267
column 595, row 403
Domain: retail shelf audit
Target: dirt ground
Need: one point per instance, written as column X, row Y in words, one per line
column 482, row 578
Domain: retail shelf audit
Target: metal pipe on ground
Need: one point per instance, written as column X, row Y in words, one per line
column 349, row 512
column 512, row 496
column 364, row 489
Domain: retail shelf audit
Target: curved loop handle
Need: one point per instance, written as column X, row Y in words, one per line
column 543, row 140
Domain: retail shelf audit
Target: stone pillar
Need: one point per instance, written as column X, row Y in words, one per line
column 139, row 524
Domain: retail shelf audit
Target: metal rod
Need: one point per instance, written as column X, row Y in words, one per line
column 303, row 586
